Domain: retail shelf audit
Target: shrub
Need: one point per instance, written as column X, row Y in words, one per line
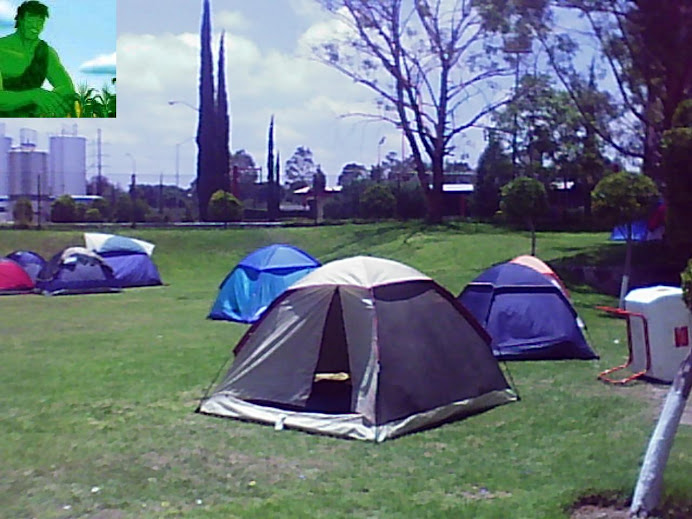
column 93, row 215
column 80, row 212
column 123, row 208
column 524, row 199
column 622, row 197
column 224, row 207
column 103, row 206
column 377, row 201
column 410, row 201
column 22, row 213
column 63, row 209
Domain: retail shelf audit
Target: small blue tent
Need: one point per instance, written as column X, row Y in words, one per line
column 527, row 316
column 31, row 262
column 129, row 258
column 76, row 271
column 258, row 279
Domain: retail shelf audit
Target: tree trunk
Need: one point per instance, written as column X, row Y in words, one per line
column 650, row 483
column 624, row 284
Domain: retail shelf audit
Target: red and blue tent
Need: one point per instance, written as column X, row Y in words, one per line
column 13, row 278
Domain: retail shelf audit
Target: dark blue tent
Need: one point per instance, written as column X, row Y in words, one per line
column 258, row 279
column 527, row 316
column 30, row 261
column 76, row 271
column 640, row 231
column 132, row 269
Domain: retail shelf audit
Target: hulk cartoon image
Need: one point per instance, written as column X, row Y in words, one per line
column 26, row 62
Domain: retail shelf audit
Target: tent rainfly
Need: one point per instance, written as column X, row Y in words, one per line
column 362, row 348
column 30, row 261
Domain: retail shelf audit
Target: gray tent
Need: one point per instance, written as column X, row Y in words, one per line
column 362, row 348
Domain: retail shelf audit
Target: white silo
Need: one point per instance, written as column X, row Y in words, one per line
column 5, row 145
column 28, row 167
column 67, row 164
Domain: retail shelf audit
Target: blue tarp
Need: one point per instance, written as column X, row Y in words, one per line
column 258, row 279
column 527, row 316
column 132, row 269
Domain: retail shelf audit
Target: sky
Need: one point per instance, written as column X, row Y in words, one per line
column 270, row 70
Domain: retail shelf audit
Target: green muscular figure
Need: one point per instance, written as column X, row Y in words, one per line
column 25, row 63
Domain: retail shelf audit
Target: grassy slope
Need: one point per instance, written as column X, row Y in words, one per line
column 98, row 391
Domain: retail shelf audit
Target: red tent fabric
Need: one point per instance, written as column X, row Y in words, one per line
column 13, row 278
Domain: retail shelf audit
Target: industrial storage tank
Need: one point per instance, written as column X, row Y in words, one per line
column 26, row 167
column 67, row 164
column 5, row 145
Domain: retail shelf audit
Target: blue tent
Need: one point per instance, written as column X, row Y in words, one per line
column 76, row 271
column 640, row 231
column 132, row 269
column 527, row 316
column 129, row 258
column 30, row 261
column 258, row 279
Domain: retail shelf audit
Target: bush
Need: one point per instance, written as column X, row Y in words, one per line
column 22, row 213
column 224, row 207
column 93, row 215
column 410, row 201
column 80, row 212
column 524, row 199
column 377, row 201
column 123, row 208
column 63, row 210
column 686, row 277
column 623, row 197
column 103, row 206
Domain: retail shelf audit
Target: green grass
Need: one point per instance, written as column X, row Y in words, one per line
column 98, row 394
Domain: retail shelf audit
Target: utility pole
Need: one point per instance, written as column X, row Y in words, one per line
column 98, row 162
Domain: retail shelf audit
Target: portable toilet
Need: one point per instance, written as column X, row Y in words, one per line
column 660, row 331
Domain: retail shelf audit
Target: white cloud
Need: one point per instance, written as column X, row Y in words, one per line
column 7, row 13
column 230, row 21
column 102, row 64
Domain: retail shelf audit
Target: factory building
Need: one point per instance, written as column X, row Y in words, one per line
column 40, row 176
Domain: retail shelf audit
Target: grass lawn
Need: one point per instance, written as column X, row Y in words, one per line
column 98, row 393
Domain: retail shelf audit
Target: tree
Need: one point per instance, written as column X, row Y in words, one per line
column 523, row 200
column 247, row 171
column 620, row 198
column 647, row 492
column 350, row 173
column 206, row 133
column 224, row 207
column 424, row 61
column 377, row 201
column 63, row 209
column 222, row 179
column 272, row 183
column 123, row 208
column 493, row 171
column 300, row 168
column 22, row 213
column 677, row 161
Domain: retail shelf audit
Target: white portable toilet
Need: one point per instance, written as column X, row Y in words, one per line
column 660, row 331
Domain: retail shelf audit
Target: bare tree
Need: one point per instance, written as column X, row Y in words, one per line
column 432, row 65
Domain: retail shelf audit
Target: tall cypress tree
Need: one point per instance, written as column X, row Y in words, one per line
column 205, row 127
column 270, row 170
column 223, row 160
column 277, row 186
